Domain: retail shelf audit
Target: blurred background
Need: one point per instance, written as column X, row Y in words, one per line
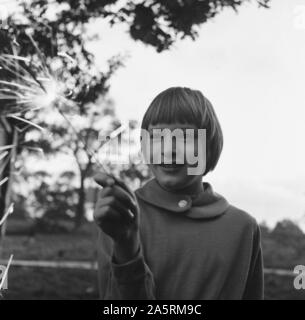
column 113, row 57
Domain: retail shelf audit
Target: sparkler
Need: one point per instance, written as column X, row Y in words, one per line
column 7, row 213
column 34, row 87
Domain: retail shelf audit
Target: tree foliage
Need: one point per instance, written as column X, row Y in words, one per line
column 284, row 245
column 158, row 23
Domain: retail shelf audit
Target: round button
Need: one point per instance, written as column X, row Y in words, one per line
column 182, row 203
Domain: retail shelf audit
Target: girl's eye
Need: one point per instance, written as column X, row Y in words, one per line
column 191, row 135
column 155, row 137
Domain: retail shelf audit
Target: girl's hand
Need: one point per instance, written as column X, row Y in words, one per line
column 117, row 214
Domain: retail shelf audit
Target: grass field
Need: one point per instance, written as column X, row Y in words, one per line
column 44, row 283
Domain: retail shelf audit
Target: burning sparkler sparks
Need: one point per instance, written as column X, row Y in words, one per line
column 32, row 86
column 28, row 84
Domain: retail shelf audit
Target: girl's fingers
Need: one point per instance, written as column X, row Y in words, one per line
column 118, row 189
column 120, row 194
column 125, row 212
column 124, row 186
column 106, row 214
column 124, row 197
column 117, row 205
column 106, row 191
column 103, row 179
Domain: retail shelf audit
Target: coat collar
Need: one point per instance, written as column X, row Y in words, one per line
column 208, row 204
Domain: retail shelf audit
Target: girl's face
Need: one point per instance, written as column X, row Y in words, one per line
column 172, row 170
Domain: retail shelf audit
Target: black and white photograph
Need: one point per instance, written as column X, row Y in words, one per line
column 152, row 150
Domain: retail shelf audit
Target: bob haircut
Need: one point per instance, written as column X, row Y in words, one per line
column 187, row 106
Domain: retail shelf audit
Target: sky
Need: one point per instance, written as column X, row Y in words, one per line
column 251, row 66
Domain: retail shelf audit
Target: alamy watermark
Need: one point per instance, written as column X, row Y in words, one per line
column 299, row 280
column 159, row 147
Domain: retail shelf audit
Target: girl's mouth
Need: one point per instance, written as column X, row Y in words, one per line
column 171, row 167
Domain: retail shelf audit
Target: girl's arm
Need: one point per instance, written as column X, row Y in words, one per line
column 123, row 273
column 122, row 281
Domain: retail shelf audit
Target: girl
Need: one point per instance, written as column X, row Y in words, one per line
column 175, row 238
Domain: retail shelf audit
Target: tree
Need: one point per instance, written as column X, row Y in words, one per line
column 83, row 147
column 287, row 231
column 283, row 246
column 158, row 23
